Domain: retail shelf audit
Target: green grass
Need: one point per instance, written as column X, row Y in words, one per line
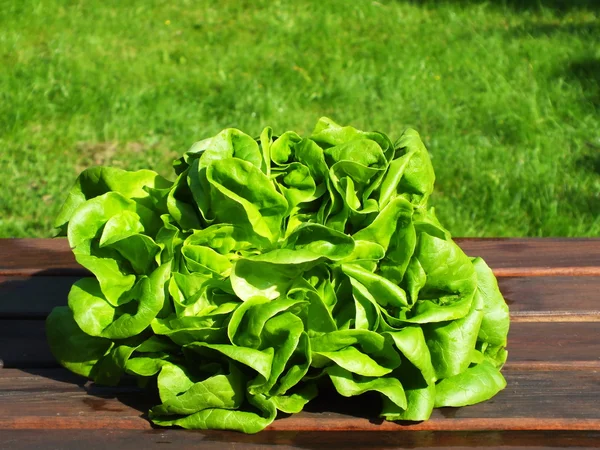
column 505, row 97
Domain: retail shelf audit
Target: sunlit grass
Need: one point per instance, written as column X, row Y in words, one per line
column 505, row 98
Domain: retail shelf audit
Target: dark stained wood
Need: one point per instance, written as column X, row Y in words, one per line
column 551, row 341
column 286, row 440
column 26, row 256
column 516, row 257
column 34, row 297
column 533, row 400
column 23, row 342
column 541, row 253
column 54, row 379
column 551, row 293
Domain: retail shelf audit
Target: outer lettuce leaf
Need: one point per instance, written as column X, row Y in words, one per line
column 448, row 288
column 418, row 177
column 410, row 341
column 96, row 181
column 294, row 403
column 97, row 317
column 348, row 385
column 476, row 384
column 451, row 344
column 420, row 400
column 76, row 350
column 224, row 391
column 495, row 320
column 226, row 419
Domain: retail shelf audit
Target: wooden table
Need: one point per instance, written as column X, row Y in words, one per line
column 553, row 371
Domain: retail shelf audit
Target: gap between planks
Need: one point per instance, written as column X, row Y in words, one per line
column 316, row 422
column 555, row 316
column 507, row 272
column 550, row 366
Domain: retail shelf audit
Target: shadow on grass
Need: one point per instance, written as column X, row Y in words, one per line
column 590, row 160
column 560, row 6
column 536, row 29
column 587, row 72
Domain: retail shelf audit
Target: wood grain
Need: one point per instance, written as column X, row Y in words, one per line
column 516, row 257
column 533, row 400
column 550, row 293
column 287, row 440
column 27, row 256
column 535, row 253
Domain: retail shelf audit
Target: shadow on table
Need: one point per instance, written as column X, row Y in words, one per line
column 131, row 398
column 32, row 296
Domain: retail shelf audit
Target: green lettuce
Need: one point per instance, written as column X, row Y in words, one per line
column 272, row 268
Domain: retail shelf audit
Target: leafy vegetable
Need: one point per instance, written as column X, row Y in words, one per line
column 271, row 266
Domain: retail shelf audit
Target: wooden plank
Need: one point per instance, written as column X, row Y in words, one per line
column 551, row 293
column 550, row 341
column 287, row 440
column 23, row 342
column 533, row 400
column 537, row 256
column 27, row 256
column 509, row 257
column 577, row 297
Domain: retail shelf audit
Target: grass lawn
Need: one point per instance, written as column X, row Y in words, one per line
column 505, row 96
